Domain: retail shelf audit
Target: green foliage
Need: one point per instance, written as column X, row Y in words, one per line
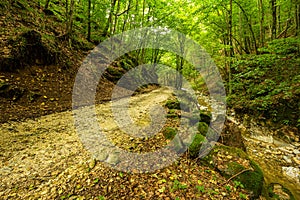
column 177, row 185
column 283, row 46
column 101, row 197
column 228, row 188
column 242, row 196
column 267, row 85
column 200, row 188
column 238, row 184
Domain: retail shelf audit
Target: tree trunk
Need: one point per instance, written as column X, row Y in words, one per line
column 69, row 27
column 126, row 17
column 278, row 20
column 89, row 20
column 249, row 25
column 231, row 46
column 274, row 19
column 116, row 18
column 109, row 20
column 47, row 4
column 297, row 19
column 261, row 22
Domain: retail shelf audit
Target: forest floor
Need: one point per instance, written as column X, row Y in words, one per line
column 44, row 158
column 45, row 90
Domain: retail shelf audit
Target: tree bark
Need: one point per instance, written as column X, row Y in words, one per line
column 109, row 20
column 69, row 27
column 261, row 22
column 249, row 25
column 297, row 19
column 274, row 19
column 89, row 20
column 47, row 4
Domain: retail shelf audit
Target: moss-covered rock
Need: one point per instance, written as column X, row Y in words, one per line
column 195, row 146
column 169, row 133
column 276, row 191
column 235, row 164
column 173, row 104
column 202, row 128
column 205, row 116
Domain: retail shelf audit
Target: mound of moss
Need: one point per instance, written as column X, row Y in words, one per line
column 235, row 164
column 195, row 146
column 169, row 133
column 202, row 128
column 173, row 104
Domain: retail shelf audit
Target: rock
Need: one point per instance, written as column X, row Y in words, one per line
column 205, row 117
column 113, row 158
column 296, row 160
column 292, row 172
column 266, row 139
column 169, row 133
column 195, row 147
column 277, row 191
column 202, row 128
column 296, row 151
column 231, row 161
column 287, row 159
column 285, row 150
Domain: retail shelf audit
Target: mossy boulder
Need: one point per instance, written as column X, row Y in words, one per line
column 235, row 164
column 169, row 133
column 205, row 116
column 276, row 191
column 195, row 146
column 173, row 113
column 202, row 128
column 173, row 104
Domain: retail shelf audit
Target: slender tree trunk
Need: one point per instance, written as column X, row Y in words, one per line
column 274, row 19
column 231, row 46
column 297, row 19
column 261, row 22
column 69, row 27
column 47, row 4
column 89, row 20
column 126, row 16
column 249, row 25
column 116, row 17
column 278, row 19
column 180, row 63
column 109, row 20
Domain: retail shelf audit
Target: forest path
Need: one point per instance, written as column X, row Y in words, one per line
column 45, row 159
column 35, row 151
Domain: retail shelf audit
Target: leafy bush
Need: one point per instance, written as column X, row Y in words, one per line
column 268, row 85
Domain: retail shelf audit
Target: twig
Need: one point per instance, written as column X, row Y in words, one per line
column 236, row 175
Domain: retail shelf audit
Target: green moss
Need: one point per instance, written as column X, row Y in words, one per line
column 252, row 180
column 173, row 104
column 202, row 128
column 169, row 133
column 205, row 116
column 194, row 148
